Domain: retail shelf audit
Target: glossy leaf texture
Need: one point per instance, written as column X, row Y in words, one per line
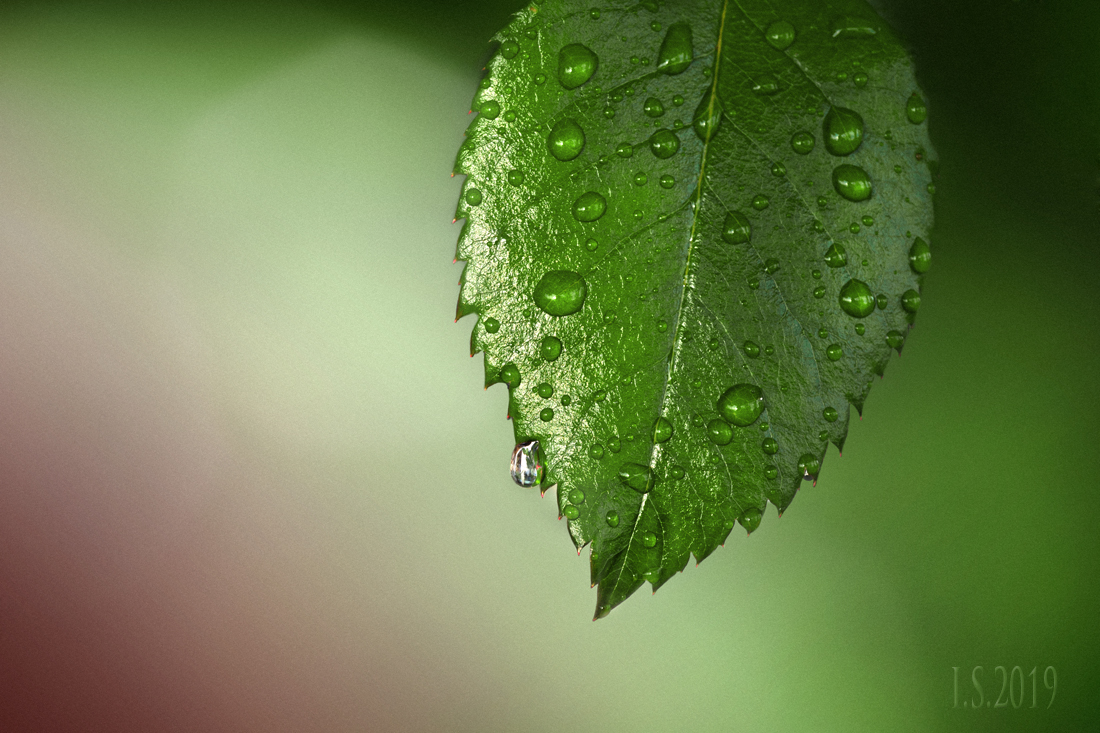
column 694, row 232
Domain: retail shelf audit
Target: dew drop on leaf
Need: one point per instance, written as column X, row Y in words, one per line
column 707, row 117
column 736, row 228
column 489, row 109
column 780, row 34
column 509, row 374
column 852, row 182
column 765, row 85
column 544, row 390
column 589, row 207
column 760, row 202
column 920, row 256
column 750, row 518
column 910, row 301
column 571, row 512
column 770, row 446
column 751, row 349
column 664, row 143
column 515, row 177
column 915, row 110
column 719, row 431
column 492, row 325
column 653, row 107
column 550, row 348
column 808, row 466
column 547, row 414
column 649, row 539
column 676, row 52
column 473, row 197
column 802, row 143
column 856, row 299
column 560, row 292
column 895, row 339
column 843, row 131
column 612, row 519
column 509, row 49
column 566, row 140
column 836, row 256
column 830, row 414
column 741, row 404
column 576, row 65
column 662, row 430
column 527, row 468
column 834, row 352
column 637, row 477
column 576, row 496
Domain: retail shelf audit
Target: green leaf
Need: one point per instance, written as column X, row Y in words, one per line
column 694, row 233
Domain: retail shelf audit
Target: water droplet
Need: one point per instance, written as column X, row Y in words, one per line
column 540, row 79
column 649, row 539
column 589, row 207
column 860, row 329
column 771, row 265
column 823, row 333
column 576, row 496
column 676, row 52
column 778, row 169
column 653, row 107
column 853, row 27
column 490, row 108
column 771, row 472
column 751, row 349
column 492, row 325
column 527, row 467
column 882, row 301
column 550, row 348
column 637, row 477
column 920, row 256
column 509, row 49
column 769, row 350
column 576, row 65
column 677, row 472
column 843, row 131
column 614, row 444
column 754, row 282
column 664, row 143
column 780, row 34
column 809, row 466
column 719, row 431
column 770, row 446
column 910, row 301
column 473, row 197
column 852, row 182
column 566, row 140
column 741, row 404
column 596, row 451
column 594, row 14
column 667, row 181
column 854, row 228
column 834, row 352
column 662, row 326
column 571, row 512
column 591, row 245
column 830, row 414
column 547, row 414
column 803, row 143
column 836, row 255
column 515, row 177
column 509, row 374
column 560, row 292
column 760, row 202
column 860, row 80
column 662, row 430
column 856, row 299
column 707, row 117
column 599, row 395
column 736, row 228
column 842, row 76
column 819, row 292
column 485, row 83
column 895, row 339
column 612, row 519
column 765, row 85
column 750, row 518
column 915, row 109
column 545, row 390
column 816, row 274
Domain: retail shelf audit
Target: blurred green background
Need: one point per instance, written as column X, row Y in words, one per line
column 249, row 480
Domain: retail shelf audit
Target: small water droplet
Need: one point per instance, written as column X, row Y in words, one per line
column 489, row 109
column 771, row 472
column 860, row 80
column 676, row 52
column 851, row 26
column 612, row 519
column 779, row 170
column 854, row 228
column 509, row 374
column 769, row 350
column 750, row 518
column 754, row 282
column 860, row 329
column 614, row 444
column 591, row 245
column 816, row 274
column 765, row 85
column 915, row 109
column 823, row 333
column 527, row 467
column 834, row 352
column 576, row 65
column 667, row 181
column 485, row 83
column 492, row 325
column 910, row 301
column 636, row 476
column 819, row 292
column 708, row 116
column 624, row 150
column 843, row 131
column 770, row 446
column 560, row 292
column 547, row 414
column 736, row 228
column 540, row 79
column 719, row 431
column 649, row 539
column 596, row 451
column 550, row 348
column 566, row 140
column 920, row 256
column 662, row 430
column 609, row 112
column 741, row 404
column 836, row 255
column 515, row 177
column 771, row 265
column 852, row 182
column 473, row 197
column 830, row 414
column 544, row 390
column 589, row 207
column 809, row 466
column 653, row 107
column 856, row 299
column 882, row 301
column 662, row 326
column 931, row 188
column 780, row 34
column 594, row 14
column 571, row 512
column 576, row 496
column 760, row 202
column 822, row 202
column 802, row 143
column 842, row 76
column 509, row 49
column 751, row 349
column 664, row 143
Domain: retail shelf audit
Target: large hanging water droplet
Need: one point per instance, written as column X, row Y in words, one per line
column 741, row 404
column 802, row 143
column 736, row 228
column 843, row 131
column 589, row 207
column 664, row 143
column 780, row 34
column 566, row 140
column 676, row 52
column 920, row 256
column 852, row 182
column 560, row 292
column 550, row 348
column 836, row 256
column 719, row 431
column 708, row 115
column 662, row 430
column 527, row 467
column 856, row 299
column 576, row 65
column 915, row 109
column 637, row 477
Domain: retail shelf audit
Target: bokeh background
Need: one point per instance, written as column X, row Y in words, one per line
column 249, row 480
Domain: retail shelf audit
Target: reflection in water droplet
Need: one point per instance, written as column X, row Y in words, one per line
column 637, row 477
column 860, row 329
column 910, row 301
column 920, row 256
column 676, row 52
column 856, row 299
column 527, row 468
column 830, row 414
column 834, row 352
column 719, row 431
column 664, row 143
column 566, row 140
column 852, row 182
column 780, row 34
column 843, row 131
column 576, row 65
column 640, row 178
column 591, row 245
column 736, row 228
column 915, row 109
column 741, row 404
column 624, row 150
column 560, row 292
column 803, row 143
column 589, row 207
